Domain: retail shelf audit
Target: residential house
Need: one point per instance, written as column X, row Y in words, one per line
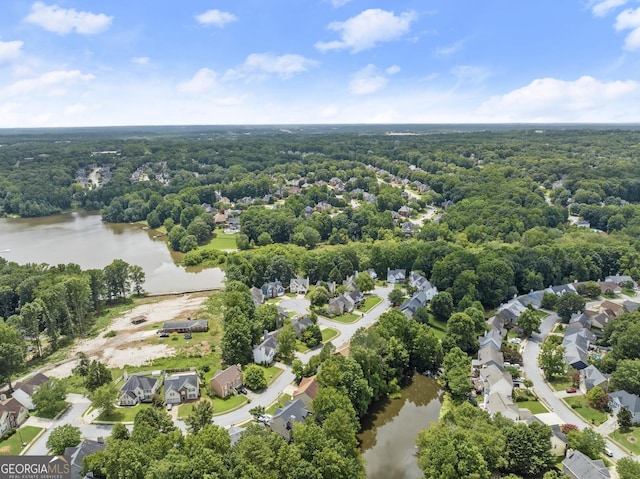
column 534, row 298
column 558, row 438
column 220, row 218
column 234, row 433
column 12, row 413
column 611, row 309
column 576, row 344
column 621, row 280
column 299, row 285
column 308, row 211
column 592, row 377
column 496, row 323
column 560, row 289
column 330, row 285
column 510, row 311
column 372, row 273
column 75, row 455
column 227, row 382
column 233, row 225
column 349, row 283
column 300, row 323
column 356, row 296
column 488, row 356
column 496, row 381
column 498, row 403
column 179, row 388
column 404, row 211
column 257, row 296
column 630, row 306
column 284, row 418
column 307, row 390
column 609, row 287
column 417, row 300
column 620, row 399
column 189, row 326
column 408, row 228
column 273, row 289
column 22, row 392
column 579, row 466
column 137, row 389
column 265, row 352
column 396, row 276
column 492, row 337
column 598, row 320
column 341, row 305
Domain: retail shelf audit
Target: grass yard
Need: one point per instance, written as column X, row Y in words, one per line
column 60, row 406
column 560, row 383
column 630, row 440
column 536, row 407
column 301, row 347
column 590, row 415
column 328, row 334
column 370, row 303
column 346, row 318
column 220, row 406
column 281, row 401
column 123, row 414
column 271, row 373
column 13, row 445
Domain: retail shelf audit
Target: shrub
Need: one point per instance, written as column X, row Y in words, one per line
column 110, row 334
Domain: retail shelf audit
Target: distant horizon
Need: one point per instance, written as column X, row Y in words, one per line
column 72, row 63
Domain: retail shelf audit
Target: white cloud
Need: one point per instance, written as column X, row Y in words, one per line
column 140, row 60
column 10, row 50
column 550, row 99
column 53, row 83
column 601, row 8
column 630, row 20
column 448, row 50
column 370, row 80
column 63, row 21
column 258, row 66
column 216, row 17
column 339, row 3
column 367, row 29
column 204, row 80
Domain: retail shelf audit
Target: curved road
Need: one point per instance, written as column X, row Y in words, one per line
column 542, row 388
column 241, row 415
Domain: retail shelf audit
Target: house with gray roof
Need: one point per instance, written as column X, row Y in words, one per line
column 496, row 381
column 575, row 353
column 620, row 399
column 182, row 387
column 592, row 377
column 372, row 272
column 418, row 300
column 265, row 352
column 75, row 455
column 189, row 326
column 498, row 403
column 300, row 323
column 621, row 280
column 341, row 305
column 489, row 355
column 396, row 276
column 493, row 336
column 561, row 289
column 138, row 388
column 534, row 298
column 273, row 289
column 284, row 418
column 299, row 285
column 22, row 391
column 630, row 306
column 257, row 296
column 579, row 466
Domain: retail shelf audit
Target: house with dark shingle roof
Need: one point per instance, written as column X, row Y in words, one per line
column 265, row 352
column 284, row 418
column 272, row 289
column 22, row 392
column 592, row 377
column 137, row 389
column 300, row 323
column 179, row 388
column 75, row 455
column 395, row 276
column 620, row 399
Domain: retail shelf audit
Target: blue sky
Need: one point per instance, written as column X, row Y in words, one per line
column 142, row 62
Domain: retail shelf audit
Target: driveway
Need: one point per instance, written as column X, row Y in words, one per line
column 547, row 395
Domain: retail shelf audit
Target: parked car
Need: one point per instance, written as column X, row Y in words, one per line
column 188, row 336
column 163, row 334
column 169, row 407
column 515, row 340
column 571, row 390
column 608, row 452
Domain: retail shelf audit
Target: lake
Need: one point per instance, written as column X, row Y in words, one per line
column 390, row 430
column 84, row 239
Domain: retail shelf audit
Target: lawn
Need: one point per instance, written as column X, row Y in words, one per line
column 13, row 445
column 328, row 334
column 271, row 373
column 590, row 415
column 535, row 407
column 282, row 400
column 346, row 318
column 370, row 303
column 221, row 406
column 60, row 406
column 630, row 440
column 123, row 414
column 560, row 383
column 629, row 292
column 301, row 347
column 223, row 241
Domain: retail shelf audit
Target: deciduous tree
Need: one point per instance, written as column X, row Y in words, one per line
column 62, row 437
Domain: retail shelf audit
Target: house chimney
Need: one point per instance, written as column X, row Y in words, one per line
column 266, row 335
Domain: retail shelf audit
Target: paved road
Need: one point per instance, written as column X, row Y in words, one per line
column 73, row 415
column 80, row 403
column 542, row 388
column 285, row 379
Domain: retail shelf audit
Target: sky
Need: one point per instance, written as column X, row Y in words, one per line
column 222, row 62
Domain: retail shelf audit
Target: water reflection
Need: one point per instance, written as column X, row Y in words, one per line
column 83, row 238
column 390, row 430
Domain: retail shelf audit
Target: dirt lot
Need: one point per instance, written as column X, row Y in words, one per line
column 130, row 345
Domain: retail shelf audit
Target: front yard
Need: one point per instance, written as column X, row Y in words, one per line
column 582, row 409
column 560, row 383
column 370, row 303
column 13, row 445
column 536, row 407
column 328, row 334
column 346, row 318
column 630, row 440
column 123, row 414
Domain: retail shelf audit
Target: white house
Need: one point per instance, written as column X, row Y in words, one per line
column 265, row 352
column 137, row 389
column 22, row 392
column 620, row 399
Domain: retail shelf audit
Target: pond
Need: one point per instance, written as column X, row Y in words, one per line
column 390, row 430
column 84, row 239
